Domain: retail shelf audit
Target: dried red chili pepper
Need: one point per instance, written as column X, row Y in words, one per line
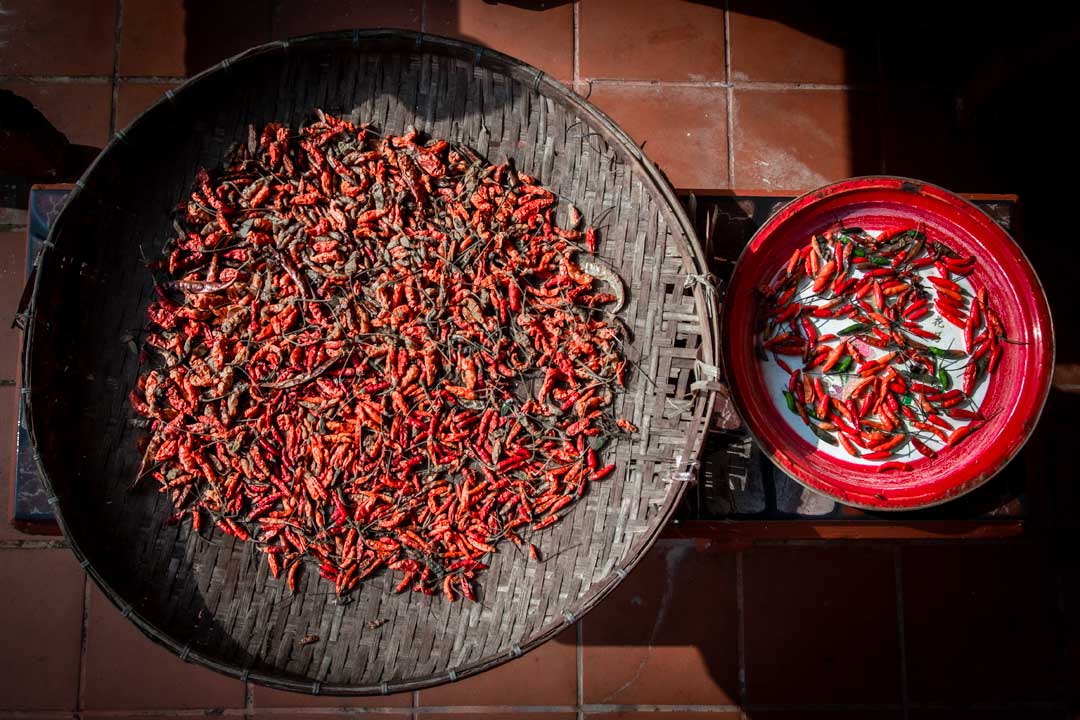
column 345, row 331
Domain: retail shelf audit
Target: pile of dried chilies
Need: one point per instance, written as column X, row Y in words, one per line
column 374, row 353
column 882, row 380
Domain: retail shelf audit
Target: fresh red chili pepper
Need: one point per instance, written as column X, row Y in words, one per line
column 890, row 272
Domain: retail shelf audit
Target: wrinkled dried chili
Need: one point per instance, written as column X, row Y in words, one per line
column 374, row 353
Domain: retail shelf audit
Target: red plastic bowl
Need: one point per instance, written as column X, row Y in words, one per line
column 1013, row 401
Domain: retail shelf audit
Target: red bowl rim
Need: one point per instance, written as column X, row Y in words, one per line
column 1043, row 319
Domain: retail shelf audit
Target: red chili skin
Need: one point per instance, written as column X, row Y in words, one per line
column 602, row 472
column 959, row 434
column 923, row 448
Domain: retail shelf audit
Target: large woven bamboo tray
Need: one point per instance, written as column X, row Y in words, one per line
column 210, row 598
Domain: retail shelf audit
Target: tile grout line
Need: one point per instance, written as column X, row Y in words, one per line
column 94, row 79
column 730, row 97
column 32, row 544
column 576, row 24
column 758, row 85
column 898, row 578
column 116, row 66
column 740, row 615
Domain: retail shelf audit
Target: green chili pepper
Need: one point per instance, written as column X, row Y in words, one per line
column 858, row 252
column 907, row 399
column 944, row 379
column 843, row 366
column 852, row 329
column 823, row 435
column 790, row 400
column 878, row 260
column 949, row 354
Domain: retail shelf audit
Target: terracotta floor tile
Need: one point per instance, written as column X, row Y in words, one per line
column 265, row 698
column 12, row 279
column 294, row 18
column 780, row 41
column 126, row 671
column 541, row 37
column 664, row 715
column 545, row 676
column 821, row 626
column 41, row 610
column 1010, row 714
column 48, row 37
column 79, row 110
column 831, row 714
column 514, row 714
column 693, row 151
column 307, row 716
column 644, row 40
column 152, row 38
column 215, row 30
column 946, row 56
column 979, row 624
column 133, row 98
column 668, row 634
column 923, row 139
column 799, row 139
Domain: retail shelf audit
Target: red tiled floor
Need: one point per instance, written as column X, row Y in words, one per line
column 799, row 139
column 215, row 30
column 501, row 713
column 821, row 626
column 124, row 670
column 830, row 714
column 802, row 43
column 668, row 634
column 400, row 715
column 541, row 37
column 693, row 151
column 923, row 139
column 1011, row 714
column 264, row 698
column 49, row 37
column 979, row 624
column 665, row 715
column 79, row 110
column 133, row 98
column 293, row 18
column 12, row 279
column 545, row 676
column 40, row 622
column 152, row 38
column 645, row 40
